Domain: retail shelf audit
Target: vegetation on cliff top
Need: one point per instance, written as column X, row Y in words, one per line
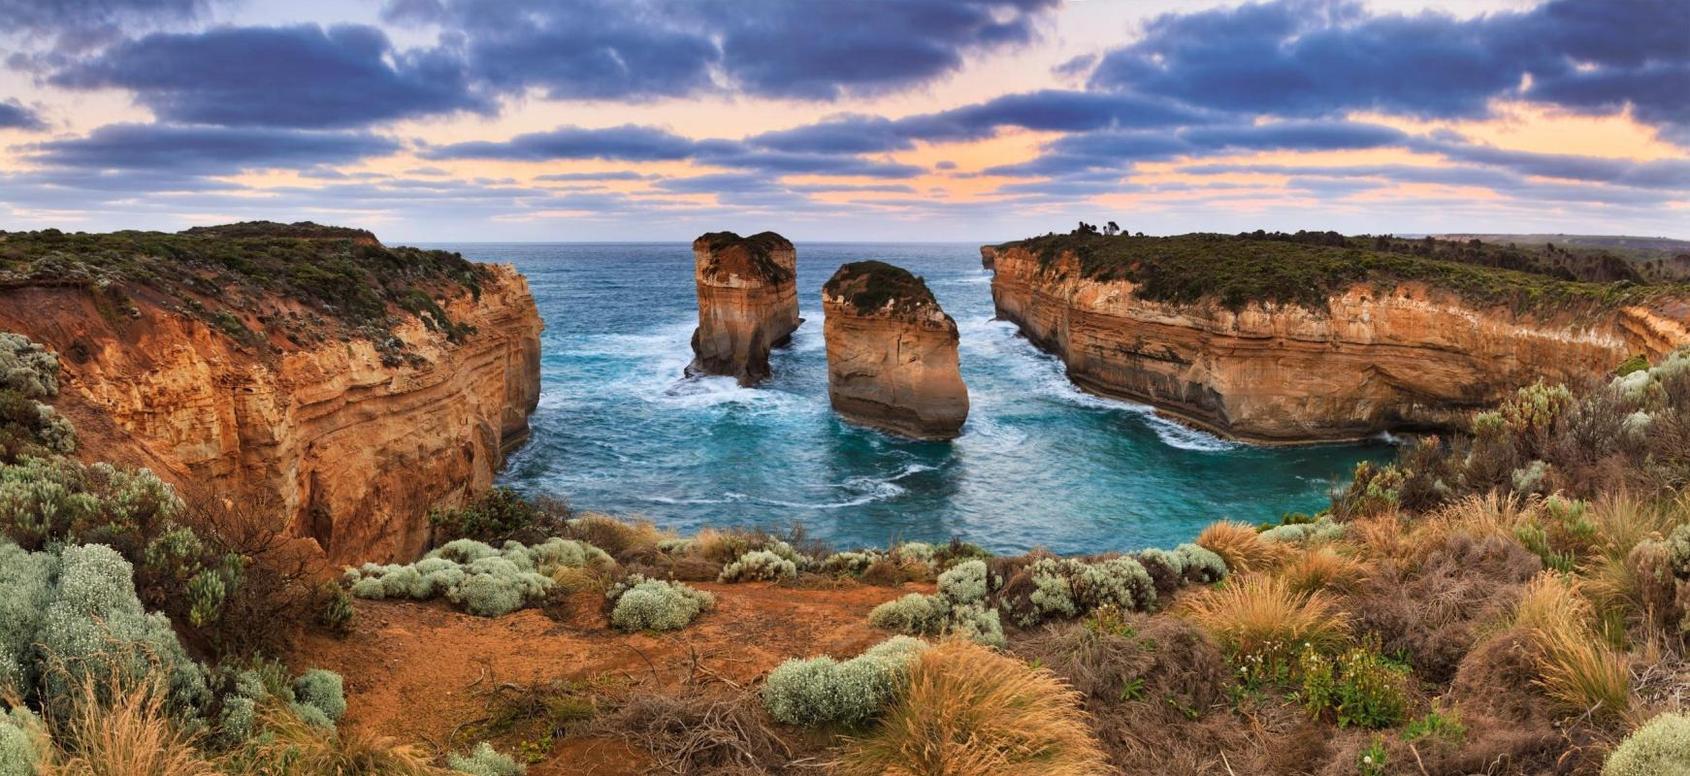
column 1306, row 268
column 758, row 249
column 250, row 280
column 869, row 285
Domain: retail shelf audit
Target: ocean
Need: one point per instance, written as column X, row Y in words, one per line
column 1039, row 464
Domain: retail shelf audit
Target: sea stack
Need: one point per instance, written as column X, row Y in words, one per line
column 747, row 303
column 892, row 353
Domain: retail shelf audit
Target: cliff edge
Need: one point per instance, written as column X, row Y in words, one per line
column 1276, row 340
column 892, row 353
column 353, row 385
column 747, row 303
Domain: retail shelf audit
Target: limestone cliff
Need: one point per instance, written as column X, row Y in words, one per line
column 988, row 256
column 356, row 438
column 1375, row 356
column 892, row 353
column 747, row 303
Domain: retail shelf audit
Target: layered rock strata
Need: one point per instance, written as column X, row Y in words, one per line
column 892, row 353
column 1378, row 357
column 352, row 449
column 747, row 303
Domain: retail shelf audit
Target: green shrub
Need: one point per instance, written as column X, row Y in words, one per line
column 1201, row 565
column 93, row 630
column 639, row 603
column 965, row 583
column 1359, row 686
column 24, row 745
column 497, row 515
column 1319, row 530
column 29, row 427
column 1660, row 746
column 484, row 581
column 759, row 565
column 917, row 551
column 322, row 690
column 818, row 690
column 1069, row 587
column 484, row 760
column 44, row 501
column 914, row 614
column 26, row 585
column 852, row 563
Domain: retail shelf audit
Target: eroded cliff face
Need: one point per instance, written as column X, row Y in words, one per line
column 356, row 452
column 892, row 354
column 747, row 303
column 1376, row 359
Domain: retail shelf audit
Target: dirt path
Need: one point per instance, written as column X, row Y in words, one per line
column 419, row 671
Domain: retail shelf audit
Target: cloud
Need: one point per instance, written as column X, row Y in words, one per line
column 630, row 143
column 199, row 150
column 618, row 175
column 1315, row 58
column 645, row 49
column 13, row 115
column 303, row 76
column 1052, row 110
column 633, row 143
column 1118, row 149
column 79, row 24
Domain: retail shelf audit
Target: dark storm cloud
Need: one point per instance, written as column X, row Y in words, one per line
column 202, row 150
column 629, row 143
column 77, row 24
column 13, row 115
column 1118, row 149
column 302, row 76
column 635, row 49
column 1046, row 110
column 1325, row 57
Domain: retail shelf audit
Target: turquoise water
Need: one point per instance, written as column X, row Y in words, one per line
column 1039, row 463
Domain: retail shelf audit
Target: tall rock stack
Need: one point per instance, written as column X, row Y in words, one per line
column 892, row 353
column 747, row 303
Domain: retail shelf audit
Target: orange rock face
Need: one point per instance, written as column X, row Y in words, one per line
column 1376, row 359
column 356, row 452
column 747, row 303
column 892, row 353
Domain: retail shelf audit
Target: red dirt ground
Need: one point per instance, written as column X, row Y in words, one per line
column 417, row 672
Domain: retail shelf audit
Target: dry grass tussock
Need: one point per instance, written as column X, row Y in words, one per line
column 1322, row 568
column 128, row 734
column 1478, row 517
column 292, row 747
column 1261, row 615
column 969, row 711
column 1575, row 666
column 1239, row 545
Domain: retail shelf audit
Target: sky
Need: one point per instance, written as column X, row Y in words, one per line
column 967, row 120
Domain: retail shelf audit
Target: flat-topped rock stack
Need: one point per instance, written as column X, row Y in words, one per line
column 892, row 353
column 747, row 303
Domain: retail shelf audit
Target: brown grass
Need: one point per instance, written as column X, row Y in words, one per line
column 1478, row 517
column 621, row 539
column 130, row 735
column 1575, row 666
column 1263, row 616
column 969, row 711
column 1239, row 545
column 292, row 747
column 1322, row 568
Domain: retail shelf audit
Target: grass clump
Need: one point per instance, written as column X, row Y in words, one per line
column 1238, row 545
column 822, row 690
column 967, row 709
column 638, row 603
column 1575, row 666
column 1263, row 624
column 1660, row 746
